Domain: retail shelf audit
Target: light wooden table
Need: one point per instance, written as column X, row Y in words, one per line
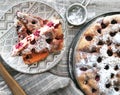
column 95, row 8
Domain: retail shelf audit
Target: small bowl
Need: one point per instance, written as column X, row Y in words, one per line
column 76, row 14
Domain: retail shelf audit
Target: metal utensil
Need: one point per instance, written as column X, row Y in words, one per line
column 12, row 84
column 76, row 13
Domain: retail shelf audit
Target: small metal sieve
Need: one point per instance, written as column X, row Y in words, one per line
column 76, row 13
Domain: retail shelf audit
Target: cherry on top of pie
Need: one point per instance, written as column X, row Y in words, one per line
column 37, row 37
column 97, row 57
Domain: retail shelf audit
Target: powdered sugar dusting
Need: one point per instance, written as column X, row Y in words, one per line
column 105, row 58
column 38, row 36
column 103, row 50
column 106, row 74
column 116, row 38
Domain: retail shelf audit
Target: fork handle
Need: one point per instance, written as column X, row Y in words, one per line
column 12, row 84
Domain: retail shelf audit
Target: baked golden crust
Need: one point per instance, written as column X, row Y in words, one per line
column 88, row 83
column 97, row 57
column 34, row 57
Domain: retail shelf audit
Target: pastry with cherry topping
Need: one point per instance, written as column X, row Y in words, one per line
column 37, row 38
column 97, row 60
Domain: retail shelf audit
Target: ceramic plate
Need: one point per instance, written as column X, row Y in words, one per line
column 8, row 37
